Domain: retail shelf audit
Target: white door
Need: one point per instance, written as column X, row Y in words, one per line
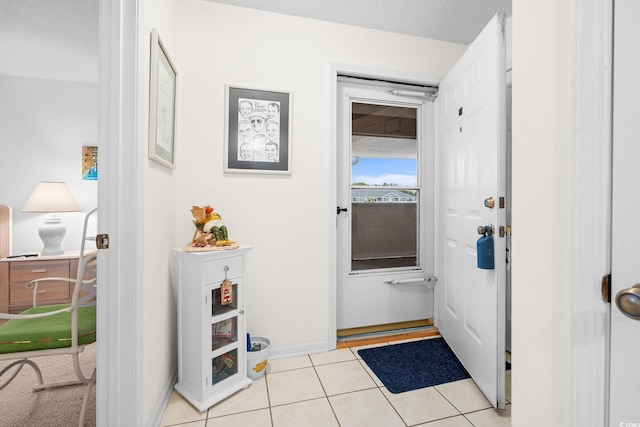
column 385, row 190
column 470, row 302
column 625, row 252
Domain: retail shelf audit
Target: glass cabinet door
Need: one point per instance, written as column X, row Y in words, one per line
column 224, row 366
column 219, row 304
column 224, row 300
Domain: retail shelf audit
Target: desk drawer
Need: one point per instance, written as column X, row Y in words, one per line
column 48, row 292
column 22, row 272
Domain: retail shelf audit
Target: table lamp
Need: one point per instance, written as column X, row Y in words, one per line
column 51, row 198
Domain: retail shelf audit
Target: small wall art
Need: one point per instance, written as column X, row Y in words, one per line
column 162, row 104
column 89, row 162
column 258, row 131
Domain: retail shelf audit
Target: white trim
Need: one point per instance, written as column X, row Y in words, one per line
column 119, row 355
column 591, row 211
column 301, row 349
column 161, row 406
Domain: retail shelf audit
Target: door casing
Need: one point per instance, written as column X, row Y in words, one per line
column 336, row 70
column 377, row 302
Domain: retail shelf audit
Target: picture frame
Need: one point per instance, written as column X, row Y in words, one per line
column 163, row 89
column 257, row 130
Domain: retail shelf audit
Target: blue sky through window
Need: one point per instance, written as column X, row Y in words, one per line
column 377, row 171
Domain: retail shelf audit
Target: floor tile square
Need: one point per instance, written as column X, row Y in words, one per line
column 371, row 373
column 459, row 421
column 420, row 406
column 179, row 410
column 310, row 413
column 201, row 423
column 365, row 408
column 288, row 363
column 293, row 386
column 344, row 377
column 464, row 395
column 335, row 356
column 491, row 417
column 354, row 350
column 259, row 418
column 249, row 399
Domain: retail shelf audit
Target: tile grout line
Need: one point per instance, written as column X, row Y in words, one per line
column 324, row 390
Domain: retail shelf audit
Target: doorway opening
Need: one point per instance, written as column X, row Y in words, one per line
column 385, row 211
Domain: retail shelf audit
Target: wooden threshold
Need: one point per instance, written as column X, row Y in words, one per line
column 374, row 329
column 385, row 333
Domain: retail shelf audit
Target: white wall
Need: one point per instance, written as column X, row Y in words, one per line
column 541, row 242
column 159, row 339
column 285, row 218
column 43, row 126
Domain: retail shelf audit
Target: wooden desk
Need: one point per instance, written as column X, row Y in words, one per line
column 15, row 272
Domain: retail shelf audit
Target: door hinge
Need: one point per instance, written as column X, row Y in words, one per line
column 102, row 241
column 501, row 202
column 605, row 288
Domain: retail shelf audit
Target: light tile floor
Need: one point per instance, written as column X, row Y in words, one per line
column 337, row 389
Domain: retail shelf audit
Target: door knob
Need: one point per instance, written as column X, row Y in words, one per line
column 628, row 301
column 483, row 229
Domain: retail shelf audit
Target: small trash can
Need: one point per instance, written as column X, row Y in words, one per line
column 257, row 355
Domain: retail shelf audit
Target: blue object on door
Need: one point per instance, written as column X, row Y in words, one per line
column 485, row 250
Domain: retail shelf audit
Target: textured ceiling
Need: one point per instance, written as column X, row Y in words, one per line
column 55, row 39
column 458, row 21
column 58, row 39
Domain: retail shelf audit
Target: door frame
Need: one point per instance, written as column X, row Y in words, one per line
column 119, row 354
column 377, row 93
column 591, row 184
column 354, row 71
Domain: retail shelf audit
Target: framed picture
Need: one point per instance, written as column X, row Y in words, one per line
column 162, row 104
column 258, row 131
column 89, row 162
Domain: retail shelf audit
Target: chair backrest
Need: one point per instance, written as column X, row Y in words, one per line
column 5, row 231
column 86, row 276
column 86, row 281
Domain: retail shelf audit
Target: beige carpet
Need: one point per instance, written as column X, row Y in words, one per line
column 60, row 407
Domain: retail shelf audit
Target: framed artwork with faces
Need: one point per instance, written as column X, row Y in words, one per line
column 257, row 131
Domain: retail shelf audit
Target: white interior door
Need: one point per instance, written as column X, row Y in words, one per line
column 471, row 116
column 625, row 269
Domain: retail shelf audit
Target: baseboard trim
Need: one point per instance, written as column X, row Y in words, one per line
column 299, row 349
column 161, row 406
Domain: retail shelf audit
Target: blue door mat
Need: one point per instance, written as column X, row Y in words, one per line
column 413, row 365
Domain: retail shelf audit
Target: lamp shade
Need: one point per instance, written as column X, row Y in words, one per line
column 51, row 197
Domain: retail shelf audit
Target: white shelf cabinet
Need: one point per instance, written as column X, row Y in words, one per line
column 212, row 342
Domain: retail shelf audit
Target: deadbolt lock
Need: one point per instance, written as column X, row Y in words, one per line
column 489, row 203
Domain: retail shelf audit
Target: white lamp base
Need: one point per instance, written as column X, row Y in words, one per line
column 52, row 232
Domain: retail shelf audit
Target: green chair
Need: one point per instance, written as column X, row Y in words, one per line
column 62, row 329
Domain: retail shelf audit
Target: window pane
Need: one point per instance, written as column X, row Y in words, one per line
column 384, row 187
column 384, row 232
column 384, row 148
